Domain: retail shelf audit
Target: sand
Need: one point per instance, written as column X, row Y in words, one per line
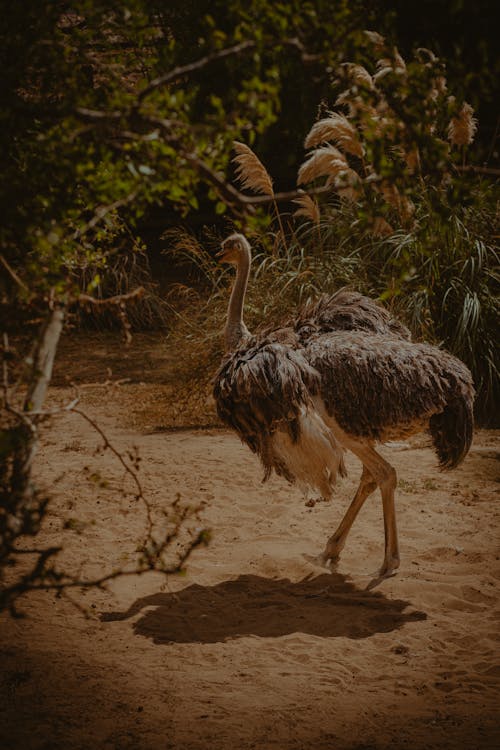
column 254, row 646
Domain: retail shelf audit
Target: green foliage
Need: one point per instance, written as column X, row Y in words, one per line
column 396, row 133
column 442, row 279
column 462, row 33
column 451, row 284
column 104, row 117
column 111, row 107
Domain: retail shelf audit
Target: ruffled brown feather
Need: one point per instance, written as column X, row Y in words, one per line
column 346, row 311
column 378, row 386
column 261, row 388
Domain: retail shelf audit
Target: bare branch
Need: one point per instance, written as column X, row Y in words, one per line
column 44, row 360
column 306, row 56
column 289, row 195
column 228, row 193
column 55, row 410
column 183, row 70
column 129, row 470
column 101, row 212
column 12, row 273
column 232, row 195
column 477, row 170
column 5, row 368
column 99, row 115
column 118, row 299
column 68, row 582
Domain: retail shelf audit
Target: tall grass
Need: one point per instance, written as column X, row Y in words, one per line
column 399, row 225
column 441, row 279
column 125, row 269
column 452, row 296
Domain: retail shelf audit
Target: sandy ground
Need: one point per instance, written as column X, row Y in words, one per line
column 254, row 647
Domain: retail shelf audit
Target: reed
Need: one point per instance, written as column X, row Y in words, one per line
column 253, row 175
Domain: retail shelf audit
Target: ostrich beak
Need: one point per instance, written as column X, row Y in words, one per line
column 221, row 255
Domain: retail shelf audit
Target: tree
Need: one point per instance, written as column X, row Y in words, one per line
column 108, row 109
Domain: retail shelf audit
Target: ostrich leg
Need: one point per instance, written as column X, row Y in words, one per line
column 376, row 472
column 336, row 543
column 391, row 557
column 385, row 476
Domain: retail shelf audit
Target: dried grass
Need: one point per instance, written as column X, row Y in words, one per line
column 375, row 38
column 308, row 207
column 412, row 159
column 337, row 129
column 381, row 227
column 399, row 63
column 326, row 161
column 462, row 127
column 401, row 203
column 250, row 171
column 359, row 75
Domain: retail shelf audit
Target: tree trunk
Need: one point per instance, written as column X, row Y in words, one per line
column 41, row 375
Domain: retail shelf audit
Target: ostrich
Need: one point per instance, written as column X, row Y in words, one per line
column 342, row 375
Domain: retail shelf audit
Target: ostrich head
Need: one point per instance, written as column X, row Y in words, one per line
column 235, row 249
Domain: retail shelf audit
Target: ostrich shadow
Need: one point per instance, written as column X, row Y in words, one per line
column 328, row 606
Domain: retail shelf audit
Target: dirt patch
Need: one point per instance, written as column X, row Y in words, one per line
column 255, row 646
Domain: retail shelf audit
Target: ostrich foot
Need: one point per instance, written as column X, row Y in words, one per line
column 388, row 569
column 323, row 560
column 327, row 560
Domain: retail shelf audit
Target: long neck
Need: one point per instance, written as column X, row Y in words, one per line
column 235, row 328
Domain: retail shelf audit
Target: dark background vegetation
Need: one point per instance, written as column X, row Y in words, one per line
column 97, row 184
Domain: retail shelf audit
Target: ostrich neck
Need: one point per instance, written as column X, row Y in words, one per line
column 235, row 327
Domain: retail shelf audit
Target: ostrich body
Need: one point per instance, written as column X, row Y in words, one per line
column 341, row 375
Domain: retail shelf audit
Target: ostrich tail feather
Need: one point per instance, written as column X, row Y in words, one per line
column 451, row 432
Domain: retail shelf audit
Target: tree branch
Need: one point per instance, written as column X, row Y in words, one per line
column 99, row 115
column 102, row 211
column 192, row 67
column 12, row 273
column 118, row 299
column 44, row 360
column 477, row 170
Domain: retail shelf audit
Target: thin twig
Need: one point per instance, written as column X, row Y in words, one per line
column 5, row 368
column 13, row 274
column 183, row 70
column 118, row 299
column 70, row 582
column 128, row 469
column 53, row 412
column 477, row 170
column 101, row 212
column 96, row 114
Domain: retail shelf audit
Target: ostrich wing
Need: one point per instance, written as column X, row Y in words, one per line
column 263, row 388
column 346, row 311
column 375, row 386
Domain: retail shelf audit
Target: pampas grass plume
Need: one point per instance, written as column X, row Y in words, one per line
column 308, row 207
column 359, row 74
column 336, row 128
column 324, row 161
column 250, row 171
column 375, row 38
column 462, row 127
